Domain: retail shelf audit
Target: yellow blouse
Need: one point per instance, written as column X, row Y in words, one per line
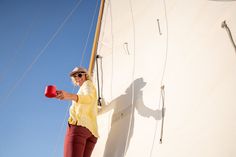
column 84, row 112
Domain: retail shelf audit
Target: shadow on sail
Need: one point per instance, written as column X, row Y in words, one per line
column 122, row 123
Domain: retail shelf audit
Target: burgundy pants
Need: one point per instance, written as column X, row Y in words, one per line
column 79, row 142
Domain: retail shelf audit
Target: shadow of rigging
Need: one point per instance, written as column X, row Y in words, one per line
column 122, row 124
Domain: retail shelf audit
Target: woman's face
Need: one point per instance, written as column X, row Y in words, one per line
column 80, row 78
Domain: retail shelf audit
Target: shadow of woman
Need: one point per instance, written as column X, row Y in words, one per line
column 122, row 123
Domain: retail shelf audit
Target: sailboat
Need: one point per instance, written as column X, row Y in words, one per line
column 165, row 72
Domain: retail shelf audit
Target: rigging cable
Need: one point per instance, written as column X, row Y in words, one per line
column 61, row 127
column 162, row 96
column 19, row 47
column 81, row 61
column 90, row 30
column 41, row 51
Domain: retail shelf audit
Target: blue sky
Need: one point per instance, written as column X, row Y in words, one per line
column 40, row 43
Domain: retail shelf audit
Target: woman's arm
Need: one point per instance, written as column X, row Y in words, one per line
column 63, row 95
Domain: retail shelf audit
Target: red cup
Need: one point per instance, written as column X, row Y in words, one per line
column 50, row 91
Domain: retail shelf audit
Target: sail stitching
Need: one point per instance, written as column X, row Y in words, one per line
column 112, row 53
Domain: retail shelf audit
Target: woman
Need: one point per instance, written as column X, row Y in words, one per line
column 82, row 133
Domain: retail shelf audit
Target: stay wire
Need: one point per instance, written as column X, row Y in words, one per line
column 17, row 51
column 41, row 52
column 61, row 127
column 90, row 30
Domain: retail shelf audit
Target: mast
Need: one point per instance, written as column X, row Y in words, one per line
column 96, row 37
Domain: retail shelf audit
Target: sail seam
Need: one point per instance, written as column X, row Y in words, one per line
column 133, row 73
column 112, row 53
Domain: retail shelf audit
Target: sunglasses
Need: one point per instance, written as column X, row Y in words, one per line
column 78, row 75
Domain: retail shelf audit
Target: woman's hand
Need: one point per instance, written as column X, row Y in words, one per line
column 63, row 95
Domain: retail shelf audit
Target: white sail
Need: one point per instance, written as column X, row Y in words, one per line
column 179, row 45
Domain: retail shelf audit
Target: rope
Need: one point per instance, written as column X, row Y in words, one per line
column 90, row 30
column 98, row 82
column 167, row 44
column 155, row 132
column 162, row 98
column 163, row 111
column 41, row 52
